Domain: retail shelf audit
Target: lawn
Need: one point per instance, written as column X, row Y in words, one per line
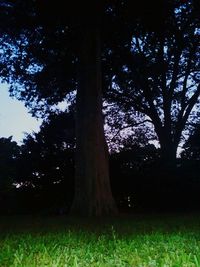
column 140, row 241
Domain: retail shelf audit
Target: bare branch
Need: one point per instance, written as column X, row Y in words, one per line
column 191, row 102
column 183, row 117
column 129, row 126
column 187, row 73
column 175, row 72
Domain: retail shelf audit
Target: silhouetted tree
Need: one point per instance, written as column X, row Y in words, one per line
column 9, row 154
column 191, row 148
column 158, row 74
column 46, row 163
column 133, row 175
column 79, row 29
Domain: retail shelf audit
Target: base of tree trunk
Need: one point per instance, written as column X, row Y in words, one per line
column 94, row 209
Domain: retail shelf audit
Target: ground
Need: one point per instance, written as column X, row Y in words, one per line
column 165, row 240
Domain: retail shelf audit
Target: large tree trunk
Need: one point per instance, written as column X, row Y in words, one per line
column 168, row 151
column 93, row 196
column 168, row 154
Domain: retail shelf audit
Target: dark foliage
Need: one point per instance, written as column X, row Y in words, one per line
column 9, row 154
column 47, row 161
column 192, row 145
column 157, row 73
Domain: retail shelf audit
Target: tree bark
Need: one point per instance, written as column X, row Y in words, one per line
column 168, row 153
column 168, row 150
column 93, row 196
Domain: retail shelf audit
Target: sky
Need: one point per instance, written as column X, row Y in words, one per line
column 14, row 117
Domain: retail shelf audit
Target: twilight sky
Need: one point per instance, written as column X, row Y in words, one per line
column 14, row 117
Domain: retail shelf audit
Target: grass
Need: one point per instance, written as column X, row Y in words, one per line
column 137, row 241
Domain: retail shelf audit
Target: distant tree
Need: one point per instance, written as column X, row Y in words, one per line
column 48, row 156
column 125, row 127
column 133, row 174
column 46, row 163
column 9, row 154
column 191, row 148
column 158, row 74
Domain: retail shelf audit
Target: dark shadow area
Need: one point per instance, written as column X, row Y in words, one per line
column 139, row 181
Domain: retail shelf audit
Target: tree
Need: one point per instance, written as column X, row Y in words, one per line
column 134, row 172
column 48, row 156
column 9, row 154
column 92, row 175
column 46, row 164
column 122, row 125
column 191, row 148
column 158, row 74
column 93, row 195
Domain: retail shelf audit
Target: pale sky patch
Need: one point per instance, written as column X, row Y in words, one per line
column 14, row 117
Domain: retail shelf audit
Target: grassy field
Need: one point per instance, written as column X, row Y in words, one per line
column 140, row 241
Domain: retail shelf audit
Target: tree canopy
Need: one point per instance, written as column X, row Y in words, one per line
column 157, row 75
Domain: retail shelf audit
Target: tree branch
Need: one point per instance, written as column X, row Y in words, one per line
column 174, row 72
column 129, row 126
column 191, row 102
column 187, row 73
column 183, row 119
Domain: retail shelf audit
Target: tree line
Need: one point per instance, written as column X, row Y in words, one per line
column 39, row 175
